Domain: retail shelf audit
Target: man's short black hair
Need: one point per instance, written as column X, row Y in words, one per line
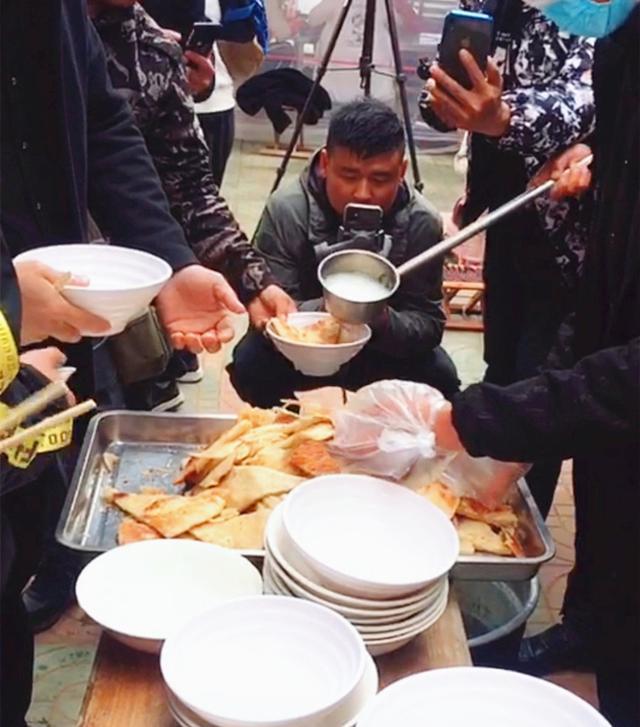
column 366, row 127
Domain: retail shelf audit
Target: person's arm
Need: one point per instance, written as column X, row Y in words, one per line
column 591, row 407
column 281, row 237
column 414, row 320
column 125, row 195
column 180, row 155
column 551, row 113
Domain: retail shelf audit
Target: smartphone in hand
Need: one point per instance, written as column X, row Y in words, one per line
column 465, row 31
column 362, row 217
column 202, row 37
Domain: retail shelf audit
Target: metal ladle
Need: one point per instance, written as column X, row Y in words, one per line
column 380, row 269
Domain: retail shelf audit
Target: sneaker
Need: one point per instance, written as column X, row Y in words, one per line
column 154, row 396
column 190, row 369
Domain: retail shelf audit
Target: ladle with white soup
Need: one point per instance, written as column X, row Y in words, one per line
column 357, row 284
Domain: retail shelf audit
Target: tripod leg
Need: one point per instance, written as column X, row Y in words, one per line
column 401, row 80
column 366, row 59
column 322, row 69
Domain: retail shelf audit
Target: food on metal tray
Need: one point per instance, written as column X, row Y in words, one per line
column 481, row 529
column 322, row 333
column 233, row 484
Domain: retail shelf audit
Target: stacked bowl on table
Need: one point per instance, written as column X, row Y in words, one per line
column 372, row 551
column 268, row 661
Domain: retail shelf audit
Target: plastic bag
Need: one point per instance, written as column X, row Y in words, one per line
column 482, row 478
column 386, row 427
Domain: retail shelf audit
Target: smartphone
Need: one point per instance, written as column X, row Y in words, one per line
column 469, row 31
column 367, row 217
column 202, row 37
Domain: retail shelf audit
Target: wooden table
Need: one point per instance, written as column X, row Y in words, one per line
column 126, row 687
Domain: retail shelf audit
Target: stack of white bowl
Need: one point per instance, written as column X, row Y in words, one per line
column 268, row 661
column 373, row 551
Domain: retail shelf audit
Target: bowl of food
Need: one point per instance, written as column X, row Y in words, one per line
column 122, row 281
column 268, row 660
column 143, row 592
column 369, row 538
column 317, row 344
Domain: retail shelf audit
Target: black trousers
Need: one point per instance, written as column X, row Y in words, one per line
column 525, row 302
column 219, row 132
column 263, row 377
column 26, row 514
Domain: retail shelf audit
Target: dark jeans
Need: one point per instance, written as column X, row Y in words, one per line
column 219, row 131
column 263, row 377
column 525, row 302
column 26, row 514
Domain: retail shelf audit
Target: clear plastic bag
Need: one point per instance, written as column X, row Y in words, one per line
column 482, row 478
column 386, row 427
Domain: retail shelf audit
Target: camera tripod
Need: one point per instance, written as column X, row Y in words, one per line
column 366, row 68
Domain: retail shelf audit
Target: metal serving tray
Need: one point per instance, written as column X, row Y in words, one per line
column 130, row 450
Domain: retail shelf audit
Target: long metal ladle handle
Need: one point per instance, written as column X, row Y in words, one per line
column 482, row 223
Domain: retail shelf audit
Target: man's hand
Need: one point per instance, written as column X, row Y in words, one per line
column 48, row 362
column 480, row 109
column 571, row 180
column 194, row 307
column 272, row 302
column 200, row 73
column 46, row 313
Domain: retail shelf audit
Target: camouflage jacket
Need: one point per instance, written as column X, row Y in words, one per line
column 547, row 84
column 147, row 69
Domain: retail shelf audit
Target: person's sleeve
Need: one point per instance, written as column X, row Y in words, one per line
column 280, row 238
column 178, row 149
column 595, row 405
column 125, row 195
column 414, row 320
column 550, row 114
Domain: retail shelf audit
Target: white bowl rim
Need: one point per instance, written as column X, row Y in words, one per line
column 322, row 346
column 275, row 521
column 226, row 552
column 361, row 582
column 295, row 603
column 159, row 280
column 482, row 672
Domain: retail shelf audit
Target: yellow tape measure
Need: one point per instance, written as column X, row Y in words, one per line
column 9, row 362
column 22, row 455
column 51, row 440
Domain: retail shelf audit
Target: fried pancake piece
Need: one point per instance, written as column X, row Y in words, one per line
column 131, row 531
column 312, row 458
column 178, row 514
column 134, row 503
column 481, row 537
column 441, row 496
column 324, row 332
column 244, row 531
column 502, row 516
column 248, row 484
column 513, row 542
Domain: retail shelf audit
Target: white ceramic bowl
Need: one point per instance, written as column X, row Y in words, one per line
column 278, row 579
column 278, row 547
column 345, row 714
column 369, row 538
column 267, row 660
column 317, row 359
column 122, row 281
column 144, row 592
column 463, row 696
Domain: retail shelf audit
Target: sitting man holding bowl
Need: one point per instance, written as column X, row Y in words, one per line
column 332, row 207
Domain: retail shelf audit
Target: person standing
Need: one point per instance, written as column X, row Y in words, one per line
column 534, row 101
column 588, row 406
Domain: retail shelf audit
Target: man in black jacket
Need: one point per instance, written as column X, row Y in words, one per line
column 588, row 407
column 363, row 162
